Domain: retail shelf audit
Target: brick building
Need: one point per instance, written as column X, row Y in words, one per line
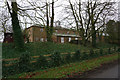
column 8, row 38
column 37, row 33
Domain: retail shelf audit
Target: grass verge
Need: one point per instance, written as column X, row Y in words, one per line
column 69, row 69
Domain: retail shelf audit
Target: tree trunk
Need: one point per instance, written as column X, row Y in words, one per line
column 49, row 28
column 93, row 36
column 17, row 33
column 52, row 21
column 93, row 30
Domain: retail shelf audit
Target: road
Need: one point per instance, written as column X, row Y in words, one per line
column 110, row 72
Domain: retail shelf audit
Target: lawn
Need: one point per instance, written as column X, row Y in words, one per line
column 37, row 48
column 69, row 69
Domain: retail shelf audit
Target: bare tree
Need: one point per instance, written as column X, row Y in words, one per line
column 44, row 15
column 87, row 15
column 4, row 19
column 49, row 28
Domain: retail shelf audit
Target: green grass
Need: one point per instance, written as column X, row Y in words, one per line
column 64, row 70
column 38, row 48
column 105, row 45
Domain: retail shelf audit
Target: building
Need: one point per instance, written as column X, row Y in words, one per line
column 37, row 33
column 8, row 38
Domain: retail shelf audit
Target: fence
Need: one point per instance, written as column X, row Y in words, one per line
column 12, row 61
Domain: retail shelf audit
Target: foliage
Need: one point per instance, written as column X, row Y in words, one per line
column 17, row 32
column 109, row 50
column 24, row 62
column 96, row 54
column 118, row 50
column 56, row 59
column 38, row 48
column 115, row 48
column 9, row 70
column 103, row 45
column 77, row 55
column 101, row 52
column 68, row 58
column 85, row 56
column 70, row 69
column 112, row 30
column 91, row 53
column 41, row 62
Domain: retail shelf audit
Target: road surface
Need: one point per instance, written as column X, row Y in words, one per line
column 109, row 72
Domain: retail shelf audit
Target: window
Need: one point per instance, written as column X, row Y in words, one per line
column 69, row 39
column 41, row 39
column 62, row 39
column 76, row 38
column 41, row 29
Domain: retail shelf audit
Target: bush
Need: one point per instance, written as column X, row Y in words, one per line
column 109, row 50
column 118, row 50
column 68, row 58
column 114, row 48
column 91, row 53
column 56, row 59
column 24, row 63
column 96, row 54
column 4, row 69
column 77, row 55
column 41, row 62
column 7, row 71
column 101, row 52
column 85, row 56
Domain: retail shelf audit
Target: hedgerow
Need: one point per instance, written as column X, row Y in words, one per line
column 56, row 60
column 68, row 58
column 24, row 62
column 41, row 63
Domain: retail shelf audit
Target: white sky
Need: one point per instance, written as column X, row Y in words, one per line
column 59, row 13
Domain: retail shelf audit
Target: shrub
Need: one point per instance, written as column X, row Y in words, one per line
column 68, row 58
column 4, row 69
column 56, row 59
column 77, row 55
column 101, row 52
column 41, row 62
column 114, row 48
column 109, row 50
column 24, row 62
column 96, row 54
column 118, row 50
column 85, row 56
column 91, row 53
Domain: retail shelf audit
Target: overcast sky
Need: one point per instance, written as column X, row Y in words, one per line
column 59, row 9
